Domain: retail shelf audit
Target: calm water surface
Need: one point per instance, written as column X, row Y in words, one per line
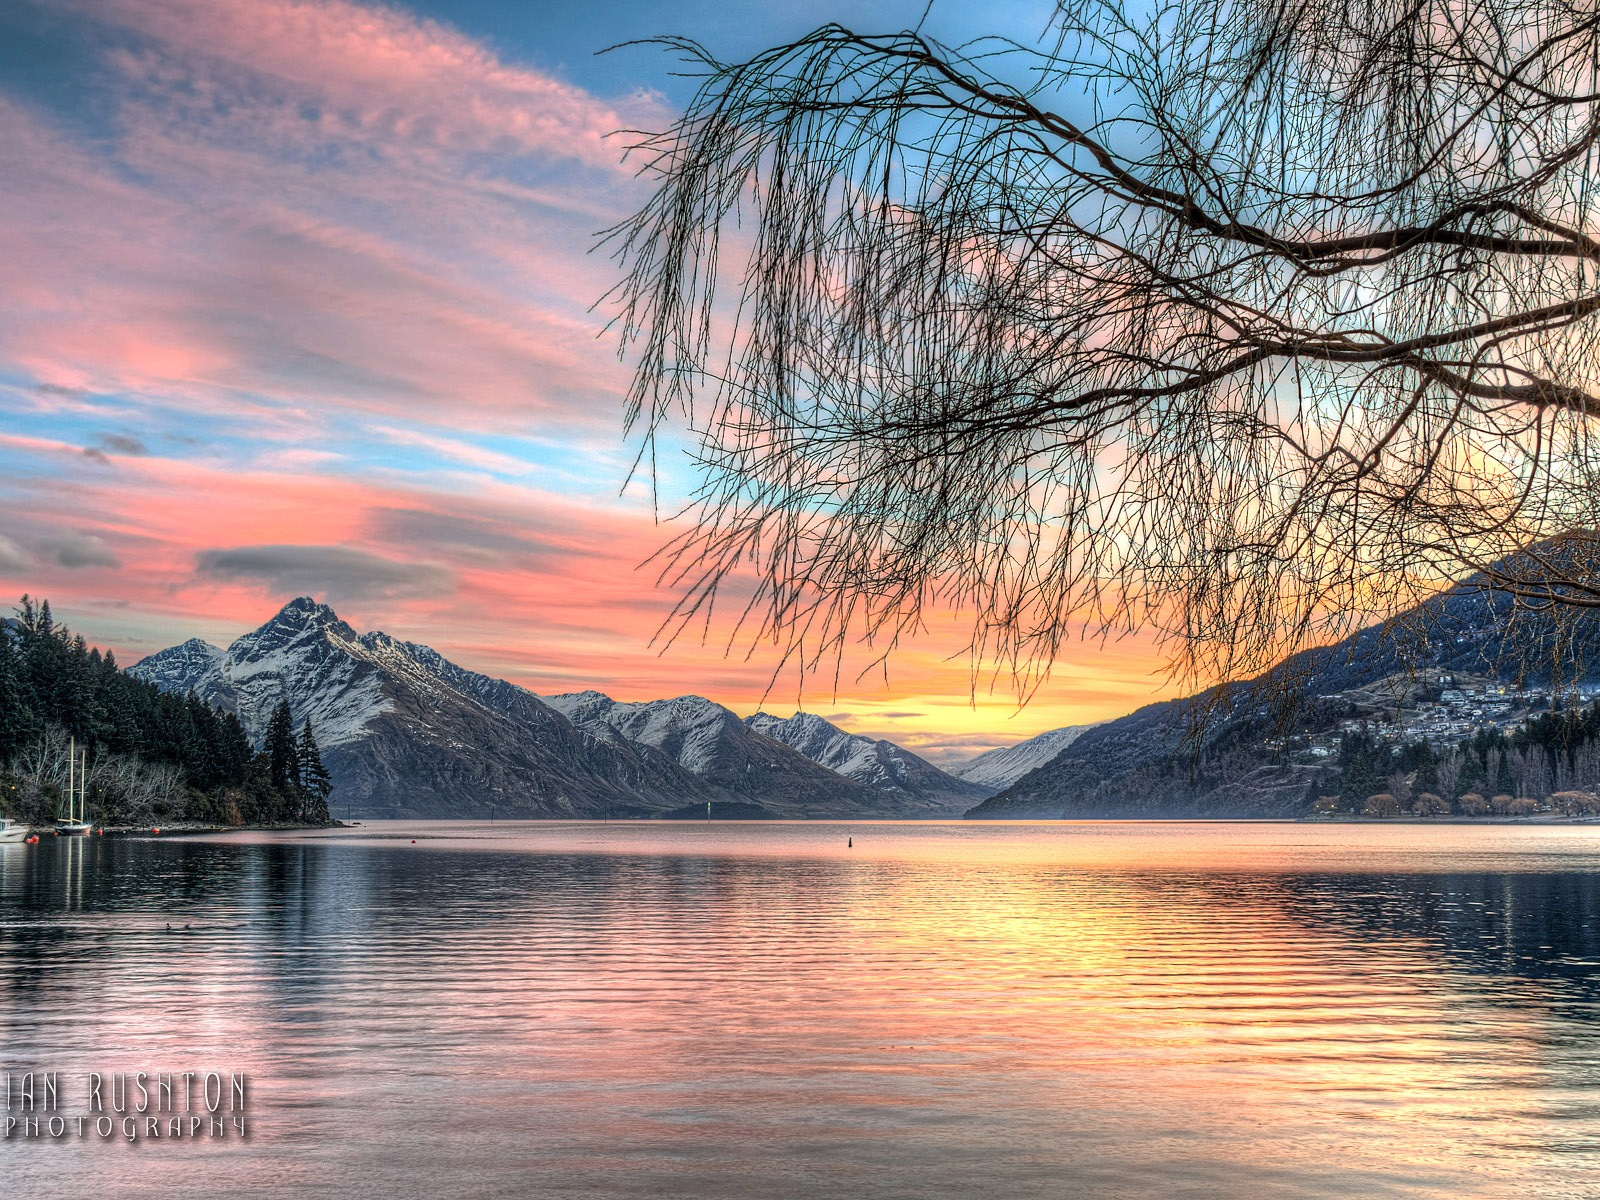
column 759, row 1011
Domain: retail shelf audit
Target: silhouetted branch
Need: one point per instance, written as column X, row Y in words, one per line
column 1242, row 320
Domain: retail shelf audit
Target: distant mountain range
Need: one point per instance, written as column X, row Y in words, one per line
column 1002, row 767
column 407, row 733
column 877, row 764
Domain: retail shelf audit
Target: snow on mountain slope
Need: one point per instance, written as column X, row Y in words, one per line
column 588, row 711
column 406, row 732
column 875, row 763
column 305, row 654
column 711, row 742
column 194, row 666
column 997, row 770
column 311, row 658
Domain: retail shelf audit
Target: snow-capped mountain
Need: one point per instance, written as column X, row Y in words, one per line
column 876, row 763
column 712, row 743
column 305, row 654
column 407, row 733
column 996, row 770
column 181, row 669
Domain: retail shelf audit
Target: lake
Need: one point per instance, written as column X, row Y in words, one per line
column 762, row 1010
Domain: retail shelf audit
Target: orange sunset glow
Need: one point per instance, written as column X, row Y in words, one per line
column 303, row 301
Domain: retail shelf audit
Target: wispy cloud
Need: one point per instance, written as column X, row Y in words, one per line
column 12, row 557
column 455, row 451
column 120, row 443
column 365, row 73
column 310, row 201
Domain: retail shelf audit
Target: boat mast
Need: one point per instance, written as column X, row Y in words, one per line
column 72, row 766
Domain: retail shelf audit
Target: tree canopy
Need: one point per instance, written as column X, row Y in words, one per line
column 149, row 754
column 1241, row 320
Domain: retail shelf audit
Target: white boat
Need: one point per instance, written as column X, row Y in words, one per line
column 76, row 822
column 10, row 832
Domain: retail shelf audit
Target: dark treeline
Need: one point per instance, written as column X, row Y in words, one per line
column 151, row 756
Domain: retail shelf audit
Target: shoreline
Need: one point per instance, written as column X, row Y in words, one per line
column 180, row 828
column 203, row 829
column 366, row 823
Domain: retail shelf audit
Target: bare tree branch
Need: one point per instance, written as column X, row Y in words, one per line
column 1243, row 320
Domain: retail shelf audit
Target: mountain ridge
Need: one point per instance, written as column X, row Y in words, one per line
column 1001, row 767
column 874, row 762
column 713, row 743
column 1135, row 766
column 408, row 733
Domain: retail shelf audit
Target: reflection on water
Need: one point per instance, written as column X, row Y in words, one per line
column 752, row 1011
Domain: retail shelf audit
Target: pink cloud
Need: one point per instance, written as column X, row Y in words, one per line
column 317, row 202
column 507, row 579
column 377, row 74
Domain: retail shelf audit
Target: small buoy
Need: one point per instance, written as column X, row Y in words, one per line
column 850, row 843
column 155, row 831
column 413, row 841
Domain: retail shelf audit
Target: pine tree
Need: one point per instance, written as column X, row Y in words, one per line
column 236, row 750
column 315, row 782
column 52, row 680
column 284, row 758
column 16, row 714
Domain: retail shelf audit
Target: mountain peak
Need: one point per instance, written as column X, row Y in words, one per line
column 306, row 609
column 190, row 665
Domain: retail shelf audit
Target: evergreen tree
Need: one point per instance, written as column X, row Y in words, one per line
column 51, row 680
column 315, row 782
column 235, row 749
column 16, row 714
column 1365, row 764
column 283, row 757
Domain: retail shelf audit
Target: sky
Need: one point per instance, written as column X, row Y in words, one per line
column 300, row 298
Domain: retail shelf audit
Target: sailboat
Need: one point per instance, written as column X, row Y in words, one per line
column 76, row 822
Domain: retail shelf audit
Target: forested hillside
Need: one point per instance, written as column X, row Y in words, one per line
column 1331, row 729
column 151, row 756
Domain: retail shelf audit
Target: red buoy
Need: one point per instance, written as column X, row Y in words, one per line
column 155, row 831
